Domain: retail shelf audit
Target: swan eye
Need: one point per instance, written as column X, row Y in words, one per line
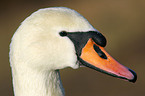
column 63, row 33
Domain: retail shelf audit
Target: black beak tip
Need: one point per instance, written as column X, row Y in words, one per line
column 135, row 76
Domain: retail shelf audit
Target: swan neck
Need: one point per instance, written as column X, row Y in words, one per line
column 37, row 83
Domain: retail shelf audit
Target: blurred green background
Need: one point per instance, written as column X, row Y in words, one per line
column 121, row 21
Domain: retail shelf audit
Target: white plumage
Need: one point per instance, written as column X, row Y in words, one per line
column 52, row 39
column 37, row 51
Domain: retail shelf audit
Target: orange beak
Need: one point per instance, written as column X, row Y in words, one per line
column 97, row 58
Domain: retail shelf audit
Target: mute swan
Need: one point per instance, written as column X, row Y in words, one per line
column 52, row 39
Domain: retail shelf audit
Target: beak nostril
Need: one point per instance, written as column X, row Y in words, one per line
column 100, row 53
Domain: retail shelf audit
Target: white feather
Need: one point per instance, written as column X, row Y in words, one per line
column 37, row 51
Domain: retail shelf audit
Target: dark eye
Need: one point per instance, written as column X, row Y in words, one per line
column 63, row 33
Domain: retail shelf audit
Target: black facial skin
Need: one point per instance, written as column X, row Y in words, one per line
column 80, row 39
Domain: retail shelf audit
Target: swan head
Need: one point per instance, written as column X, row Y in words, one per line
column 59, row 37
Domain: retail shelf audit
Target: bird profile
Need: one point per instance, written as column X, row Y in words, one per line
column 54, row 38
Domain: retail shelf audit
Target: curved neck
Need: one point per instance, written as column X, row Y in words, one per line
column 37, row 83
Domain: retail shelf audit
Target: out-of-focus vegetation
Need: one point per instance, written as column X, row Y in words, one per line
column 121, row 21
